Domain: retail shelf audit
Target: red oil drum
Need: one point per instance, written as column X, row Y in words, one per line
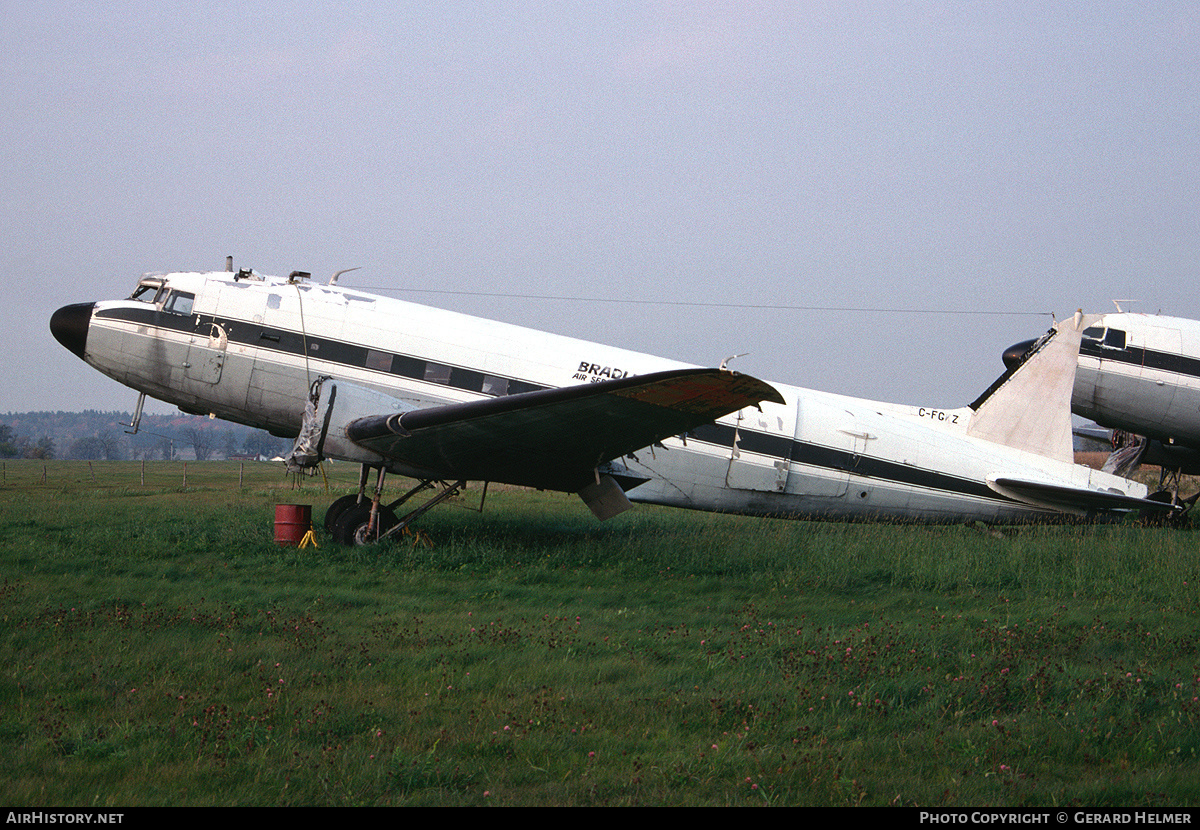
column 292, row 521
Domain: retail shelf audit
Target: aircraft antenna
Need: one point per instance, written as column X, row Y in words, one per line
column 725, row 362
column 1117, row 303
column 333, row 280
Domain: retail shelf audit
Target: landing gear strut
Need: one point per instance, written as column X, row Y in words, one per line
column 1168, row 493
column 357, row 520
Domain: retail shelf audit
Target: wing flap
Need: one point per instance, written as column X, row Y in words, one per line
column 555, row 438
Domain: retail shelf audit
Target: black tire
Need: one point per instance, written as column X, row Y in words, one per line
column 350, row 528
column 339, row 507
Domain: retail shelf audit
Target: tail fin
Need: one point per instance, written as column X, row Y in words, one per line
column 1029, row 406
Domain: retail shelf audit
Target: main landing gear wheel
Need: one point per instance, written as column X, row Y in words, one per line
column 348, row 519
column 353, row 526
column 339, row 507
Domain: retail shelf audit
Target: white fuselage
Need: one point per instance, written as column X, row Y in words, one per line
column 247, row 348
column 1141, row 373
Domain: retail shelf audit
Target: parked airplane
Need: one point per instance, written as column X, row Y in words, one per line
column 1139, row 374
column 445, row 398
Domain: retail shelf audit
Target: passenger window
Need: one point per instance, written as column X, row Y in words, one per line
column 379, row 361
column 493, row 385
column 437, row 373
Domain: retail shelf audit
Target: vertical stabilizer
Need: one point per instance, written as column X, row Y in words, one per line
column 1029, row 407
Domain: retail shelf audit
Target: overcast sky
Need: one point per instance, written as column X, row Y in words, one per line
column 873, row 198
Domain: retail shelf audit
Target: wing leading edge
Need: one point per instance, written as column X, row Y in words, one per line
column 554, row 439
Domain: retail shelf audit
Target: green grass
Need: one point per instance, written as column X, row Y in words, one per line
column 159, row 648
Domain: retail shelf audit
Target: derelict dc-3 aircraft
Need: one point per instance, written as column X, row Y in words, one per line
column 1139, row 374
column 447, row 398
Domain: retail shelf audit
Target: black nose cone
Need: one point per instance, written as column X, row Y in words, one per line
column 69, row 325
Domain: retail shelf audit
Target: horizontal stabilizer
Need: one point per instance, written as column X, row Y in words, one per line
column 1077, row 501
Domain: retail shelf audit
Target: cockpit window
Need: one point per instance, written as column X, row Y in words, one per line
column 146, row 293
column 179, row 302
column 1110, row 338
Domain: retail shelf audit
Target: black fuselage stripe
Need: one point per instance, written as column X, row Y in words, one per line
column 1147, row 358
column 286, row 341
column 844, row 461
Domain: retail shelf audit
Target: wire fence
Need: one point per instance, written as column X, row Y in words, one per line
column 18, row 474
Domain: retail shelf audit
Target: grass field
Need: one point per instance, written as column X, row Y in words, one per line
column 159, row 649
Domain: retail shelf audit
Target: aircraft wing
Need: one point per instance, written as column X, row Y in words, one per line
column 555, row 438
column 1078, row 501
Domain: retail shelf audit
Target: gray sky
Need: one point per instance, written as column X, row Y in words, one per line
column 949, row 158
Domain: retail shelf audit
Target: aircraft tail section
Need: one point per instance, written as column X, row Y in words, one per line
column 1029, row 407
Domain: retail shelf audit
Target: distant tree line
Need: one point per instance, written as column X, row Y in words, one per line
column 13, row 446
column 93, row 435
